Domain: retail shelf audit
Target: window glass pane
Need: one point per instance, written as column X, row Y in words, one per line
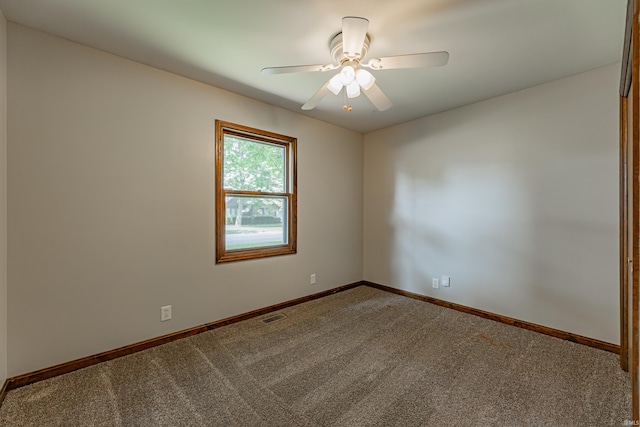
column 253, row 166
column 255, row 222
column 256, row 196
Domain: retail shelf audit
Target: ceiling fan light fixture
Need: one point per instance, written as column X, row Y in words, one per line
column 347, row 75
column 348, row 48
column 353, row 89
column 335, row 85
column 365, row 79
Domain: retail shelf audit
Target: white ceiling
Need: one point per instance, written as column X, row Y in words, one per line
column 495, row 46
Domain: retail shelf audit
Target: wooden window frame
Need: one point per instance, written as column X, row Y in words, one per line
column 291, row 194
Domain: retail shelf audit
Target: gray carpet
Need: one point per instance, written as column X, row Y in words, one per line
column 363, row 357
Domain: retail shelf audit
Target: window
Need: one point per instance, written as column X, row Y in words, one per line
column 256, row 200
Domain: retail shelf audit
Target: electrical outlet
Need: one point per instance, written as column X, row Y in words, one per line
column 435, row 283
column 446, row 281
column 165, row 313
column 313, row 279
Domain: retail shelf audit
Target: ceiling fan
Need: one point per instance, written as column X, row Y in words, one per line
column 349, row 48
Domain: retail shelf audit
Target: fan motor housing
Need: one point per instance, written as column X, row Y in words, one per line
column 335, row 47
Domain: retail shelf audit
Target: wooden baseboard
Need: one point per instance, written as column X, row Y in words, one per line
column 74, row 365
column 3, row 390
column 591, row 342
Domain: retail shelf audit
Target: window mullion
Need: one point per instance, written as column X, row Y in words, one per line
column 254, row 193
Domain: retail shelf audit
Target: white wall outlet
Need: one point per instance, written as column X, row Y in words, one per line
column 434, row 283
column 446, row 281
column 165, row 313
column 312, row 279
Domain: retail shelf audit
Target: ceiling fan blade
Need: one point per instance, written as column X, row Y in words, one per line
column 297, row 69
column 354, row 32
column 430, row 59
column 378, row 98
column 317, row 97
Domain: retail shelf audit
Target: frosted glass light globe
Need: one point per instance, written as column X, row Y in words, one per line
column 353, row 89
column 365, row 79
column 335, row 85
column 347, row 74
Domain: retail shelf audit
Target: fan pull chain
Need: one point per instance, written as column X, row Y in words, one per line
column 345, row 107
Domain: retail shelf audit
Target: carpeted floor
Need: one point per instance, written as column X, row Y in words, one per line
column 363, row 357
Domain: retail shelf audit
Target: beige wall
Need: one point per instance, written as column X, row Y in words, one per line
column 516, row 198
column 111, row 203
column 3, row 198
